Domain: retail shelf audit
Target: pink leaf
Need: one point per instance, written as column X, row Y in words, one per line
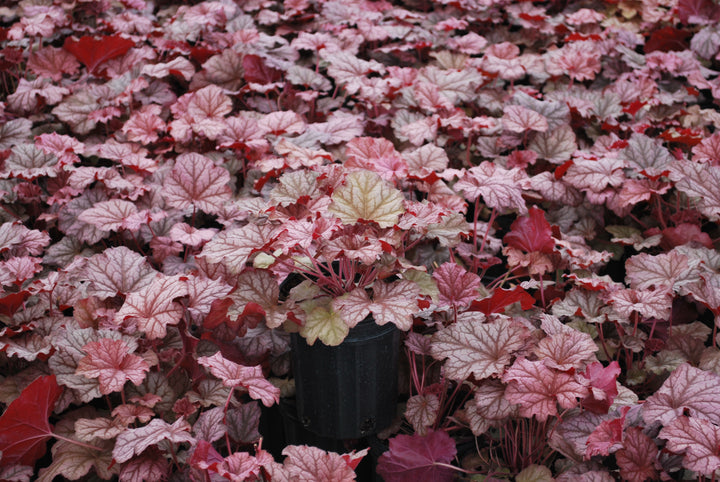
column 251, row 378
column 233, row 247
column 638, row 457
column 111, row 362
column 52, row 62
column 457, row 286
column 413, row 458
column 603, row 386
column 395, row 302
column 311, row 463
column 473, row 348
column 118, row 271
column 207, row 109
column 153, row 307
column 29, row 162
column 134, row 441
column 422, row 411
column 662, row 270
column 521, row 119
column 698, row 439
column 196, row 181
column 607, row 437
column 109, row 215
column 499, row 188
column 539, row 389
column 687, row 388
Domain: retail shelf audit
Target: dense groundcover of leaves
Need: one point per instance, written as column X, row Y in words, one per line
column 529, row 190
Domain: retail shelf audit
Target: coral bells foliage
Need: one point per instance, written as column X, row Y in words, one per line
column 528, row 191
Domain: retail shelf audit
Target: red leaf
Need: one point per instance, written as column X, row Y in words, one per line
column 11, row 303
column 531, row 233
column 603, row 387
column 93, row 51
column 24, row 427
column 667, row 39
column 258, row 72
column 502, row 298
column 412, row 458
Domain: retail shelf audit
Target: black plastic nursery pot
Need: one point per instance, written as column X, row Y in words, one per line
column 348, row 391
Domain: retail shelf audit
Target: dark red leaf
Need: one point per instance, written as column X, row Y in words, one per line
column 93, row 51
column 667, row 39
column 412, row 458
column 502, row 298
column 24, row 427
column 258, row 72
column 205, row 457
column 9, row 304
column 531, row 233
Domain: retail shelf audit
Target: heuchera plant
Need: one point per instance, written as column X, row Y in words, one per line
column 530, row 191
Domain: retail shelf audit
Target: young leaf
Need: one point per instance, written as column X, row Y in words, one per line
column 196, row 181
column 24, row 426
column 326, row 325
column 413, row 457
column 234, row 375
column 478, row 349
column 395, row 303
column 365, row 196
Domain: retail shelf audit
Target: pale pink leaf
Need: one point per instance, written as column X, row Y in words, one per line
column 186, row 234
column 395, row 302
column 649, row 303
column 656, row 271
column 134, row 441
column 539, row 389
column 700, row 183
column 282, row 122
column 686, row 389
column 72, row 461
column 517, row 118
column 354, row 306
column 425, row 160
column 234, row 375
column 86, row 429
column 311, row 463
column 144, row 125
column 477, row 348
column 150, row 465
column 153, row 307
column 647, row 155
column 109, row 215
column 28, row 162
column 207, row 109
column 15, row 132
column 499, row 188
column 293, row 186
column 233, row 247
column 595, row 174
column 422, row 411
column 455, row 84
column 179, row 65
column 196, row 181
column 698, row 439
column 567, row 350
column 259, row 287
column 457, row 286
column 202, row 292
column 118, row 271
column 556, row 145
column 365, row 196
column 111, row 362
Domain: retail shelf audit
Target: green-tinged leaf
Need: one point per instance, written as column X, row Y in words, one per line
column 365, row 196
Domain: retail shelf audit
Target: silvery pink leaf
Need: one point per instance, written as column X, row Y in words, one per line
column 109, row 215
column 477, row 348
column 153, row 307
column 111, row 362
column 422, row 411
column 118, row 271
column 539, row 389
column 698, row 439
column 519, row 119
column 687, row 388
column 638, row 457
column 135, row 441
column 234, row 375
column 457, row 286
column 196, row 181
